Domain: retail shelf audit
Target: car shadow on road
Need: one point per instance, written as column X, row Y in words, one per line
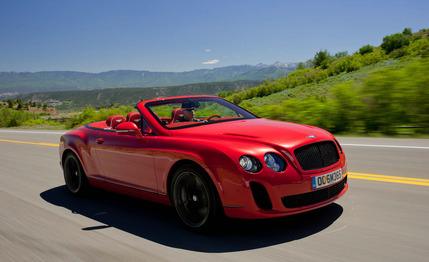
column 158, row 223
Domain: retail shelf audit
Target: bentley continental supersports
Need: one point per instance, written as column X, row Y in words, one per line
column 207, row 158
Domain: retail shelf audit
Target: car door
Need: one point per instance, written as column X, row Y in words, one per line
column 126, row 159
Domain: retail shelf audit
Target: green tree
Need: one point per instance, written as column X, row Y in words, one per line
column 341, row 54
column 407, row 31
column 19, row 104
column 395, row 41
column 366, row 49
column 321, row 59
column 300, row 65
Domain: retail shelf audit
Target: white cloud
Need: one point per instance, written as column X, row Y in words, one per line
column 211, row 62
column 207, row 50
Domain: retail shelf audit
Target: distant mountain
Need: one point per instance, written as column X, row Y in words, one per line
column 65, row 100
column 26, row 82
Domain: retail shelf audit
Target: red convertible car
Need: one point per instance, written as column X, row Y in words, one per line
column 207, row 158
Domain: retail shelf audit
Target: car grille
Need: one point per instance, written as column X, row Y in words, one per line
column 317, row 155
column 315, row 196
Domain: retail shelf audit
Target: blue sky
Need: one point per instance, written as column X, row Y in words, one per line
column 94, row 36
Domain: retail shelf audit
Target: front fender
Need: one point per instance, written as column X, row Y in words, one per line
column 76, row 141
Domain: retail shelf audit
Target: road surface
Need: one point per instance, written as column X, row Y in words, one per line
column 383, row 217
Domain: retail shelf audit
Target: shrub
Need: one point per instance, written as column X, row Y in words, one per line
column 12, row 117
column 419, row 47
column 375, row 56
column 345, row 64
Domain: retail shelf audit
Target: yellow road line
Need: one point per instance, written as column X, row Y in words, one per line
column 390, row 179
column 352, row 175
column 29, row 143
column 412, row 179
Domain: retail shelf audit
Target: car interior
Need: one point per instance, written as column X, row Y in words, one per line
column 181, row 114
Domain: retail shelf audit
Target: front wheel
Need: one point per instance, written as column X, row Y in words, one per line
column 195, row 199
column 74, row 175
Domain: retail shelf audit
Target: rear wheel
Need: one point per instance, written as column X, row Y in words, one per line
column 195, row 199
column 74, row 175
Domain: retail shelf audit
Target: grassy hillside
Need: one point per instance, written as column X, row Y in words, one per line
column 382, row 89
column 320, row 89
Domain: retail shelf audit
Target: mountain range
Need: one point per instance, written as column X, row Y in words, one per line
column 66, row 100
column 13, row 83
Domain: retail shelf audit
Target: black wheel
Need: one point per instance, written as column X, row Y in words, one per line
column 74, row 175
column 195, row 199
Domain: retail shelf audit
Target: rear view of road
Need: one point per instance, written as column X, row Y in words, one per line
column 379, row 219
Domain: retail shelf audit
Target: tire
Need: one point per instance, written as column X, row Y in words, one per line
column 195, row 199
column 74, row 176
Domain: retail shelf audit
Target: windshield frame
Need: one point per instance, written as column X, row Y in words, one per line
column 218, row 100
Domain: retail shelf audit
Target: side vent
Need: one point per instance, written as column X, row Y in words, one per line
column 260, row 195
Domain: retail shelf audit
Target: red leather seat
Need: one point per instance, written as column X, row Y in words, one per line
column 109, row 121
column 113, row 121
column 134, row 117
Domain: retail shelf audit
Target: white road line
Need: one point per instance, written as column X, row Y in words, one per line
column 32, row 132
column 386, row 146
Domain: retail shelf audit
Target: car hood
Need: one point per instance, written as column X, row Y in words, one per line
column 284, row 134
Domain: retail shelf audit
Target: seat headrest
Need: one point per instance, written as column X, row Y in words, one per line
column 109, row 120
column 116, row 120
column 134, row 117
column 176, row 115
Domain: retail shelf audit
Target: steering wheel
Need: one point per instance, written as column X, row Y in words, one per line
column 213, row 116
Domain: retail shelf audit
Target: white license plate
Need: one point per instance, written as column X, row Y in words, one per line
column 326, row 179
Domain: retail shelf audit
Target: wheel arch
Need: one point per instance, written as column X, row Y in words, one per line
column 66, row 152
column 183, row 162
column 71, row 150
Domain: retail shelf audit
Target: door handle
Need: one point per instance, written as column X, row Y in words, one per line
column 99, row 140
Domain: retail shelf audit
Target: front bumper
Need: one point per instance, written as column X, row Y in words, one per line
column 286, row 199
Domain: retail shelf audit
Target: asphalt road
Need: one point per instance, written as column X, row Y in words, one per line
column 376, row 221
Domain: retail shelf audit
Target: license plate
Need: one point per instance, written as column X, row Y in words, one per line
column 318, row 182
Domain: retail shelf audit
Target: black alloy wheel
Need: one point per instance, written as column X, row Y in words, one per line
column 195, row 199
column 74, row 175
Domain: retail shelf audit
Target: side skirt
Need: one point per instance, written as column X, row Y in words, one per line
column 129, row 190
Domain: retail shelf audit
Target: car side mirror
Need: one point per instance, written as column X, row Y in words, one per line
column 128, row 128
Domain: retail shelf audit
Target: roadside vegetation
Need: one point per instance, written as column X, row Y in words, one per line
column 90, row 114
column 377, row 90
column 14, row 113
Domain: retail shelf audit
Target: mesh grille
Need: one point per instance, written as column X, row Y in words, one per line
column 317, row 155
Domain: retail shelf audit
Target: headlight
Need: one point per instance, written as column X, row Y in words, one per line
column 275, row 162
column 250, row 164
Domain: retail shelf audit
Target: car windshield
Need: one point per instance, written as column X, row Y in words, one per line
column 187, row 112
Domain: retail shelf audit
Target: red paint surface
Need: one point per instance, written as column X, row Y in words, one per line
column 140, row 165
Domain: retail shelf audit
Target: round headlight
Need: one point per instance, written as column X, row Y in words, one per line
column 275, row 162
column 250, row 164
